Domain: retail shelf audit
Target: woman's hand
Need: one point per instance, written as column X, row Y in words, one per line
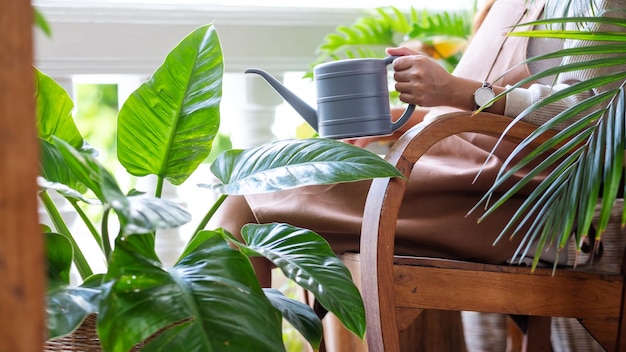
column 420, row 80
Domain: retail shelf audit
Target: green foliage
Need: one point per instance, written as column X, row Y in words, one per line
column 95, row 117
column 54, row 113
column 210, row 300
column 41, row 23
column 221, row 143
column 308, row 260
column 184, row 111
column 297, row 314
column 211, row 296
column 587, row 167
column 428, row 25
column 387, row 27
column 287, row 164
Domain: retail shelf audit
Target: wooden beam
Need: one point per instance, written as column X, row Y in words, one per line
column 22, row 281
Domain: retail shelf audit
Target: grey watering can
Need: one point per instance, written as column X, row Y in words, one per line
column 352, row 102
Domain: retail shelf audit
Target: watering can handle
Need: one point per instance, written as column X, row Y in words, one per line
column 409, row 110
column 389, row 59
column 404, row 118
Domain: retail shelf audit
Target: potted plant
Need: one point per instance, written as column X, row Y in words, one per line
column 210, row 300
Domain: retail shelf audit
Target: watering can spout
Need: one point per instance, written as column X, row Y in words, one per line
column 305, row 110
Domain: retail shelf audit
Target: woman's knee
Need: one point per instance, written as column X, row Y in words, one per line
column 233, row 214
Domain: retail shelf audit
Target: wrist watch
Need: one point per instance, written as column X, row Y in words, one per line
column 483, row 96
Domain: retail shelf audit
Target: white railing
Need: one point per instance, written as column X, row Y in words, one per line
column 130, row 41
column 90, row 38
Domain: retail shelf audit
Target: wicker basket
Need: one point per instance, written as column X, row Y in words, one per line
column 85, row 338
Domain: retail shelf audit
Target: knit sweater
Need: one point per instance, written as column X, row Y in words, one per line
column 519, row 99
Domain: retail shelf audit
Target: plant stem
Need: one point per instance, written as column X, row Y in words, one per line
column 211, row 212
column 87, row 221
column 79, row 259
column 159, row 187
column 106, row 243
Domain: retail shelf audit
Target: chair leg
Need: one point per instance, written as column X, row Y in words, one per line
column 515, row 337
column 339, row 339
column 434, row 331
column 537, row 336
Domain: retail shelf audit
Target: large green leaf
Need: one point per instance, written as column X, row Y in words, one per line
column 54, row 112
column 90, row 172
column 209, row 301
column 67, row 307
column 287, row 164
column 139, row 213
column 299, row 315
column 64, row 190
column 59, row 255
column 166, row 127
column 54, row 169
column 306, row 258
column 143, row 213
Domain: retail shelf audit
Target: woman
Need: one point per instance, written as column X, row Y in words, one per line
column 442, row 188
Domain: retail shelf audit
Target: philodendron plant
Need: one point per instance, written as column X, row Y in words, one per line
column 210, row 299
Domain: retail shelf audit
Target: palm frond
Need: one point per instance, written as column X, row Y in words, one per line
column 385, row 27
column 572, row 34
column 586, row 168
column 589, row 64
column 454, row 24
column 564, row 20
column 397, row 20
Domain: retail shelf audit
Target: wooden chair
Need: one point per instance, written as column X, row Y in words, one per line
column 397, row 289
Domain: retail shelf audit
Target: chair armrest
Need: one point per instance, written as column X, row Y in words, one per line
column 415, row 142
column 385, row 197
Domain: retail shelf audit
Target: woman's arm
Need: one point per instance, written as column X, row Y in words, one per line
column 422, row 81
column 520, row 99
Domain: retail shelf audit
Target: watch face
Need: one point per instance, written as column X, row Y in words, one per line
column 483, row 95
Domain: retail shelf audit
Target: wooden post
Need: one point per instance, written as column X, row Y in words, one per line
column 22, row 282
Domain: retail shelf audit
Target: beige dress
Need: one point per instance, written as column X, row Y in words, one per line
column 441, row 190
